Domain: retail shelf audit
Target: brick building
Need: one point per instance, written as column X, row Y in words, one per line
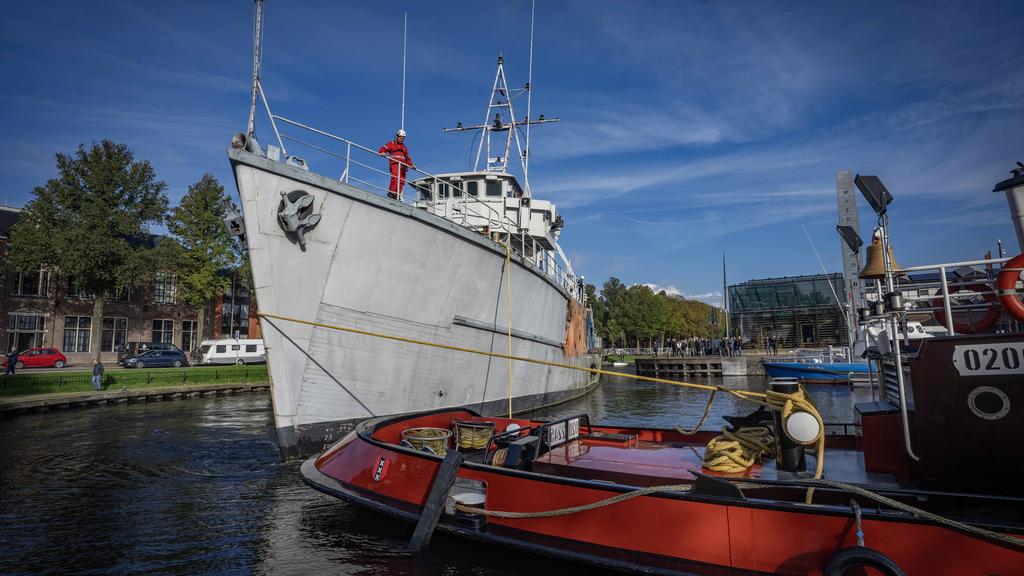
column 41, row 308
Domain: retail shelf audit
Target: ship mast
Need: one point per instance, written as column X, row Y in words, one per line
column 500, row 118
column 257, row 57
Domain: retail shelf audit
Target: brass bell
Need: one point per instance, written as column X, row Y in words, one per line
column 875, row 267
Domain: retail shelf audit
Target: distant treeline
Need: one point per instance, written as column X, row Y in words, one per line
column 635, row 316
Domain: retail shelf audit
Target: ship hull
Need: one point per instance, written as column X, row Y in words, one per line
column 387, row 269
column 816, row 373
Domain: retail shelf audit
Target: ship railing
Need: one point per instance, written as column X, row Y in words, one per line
column 979, row 282
column 356, row 168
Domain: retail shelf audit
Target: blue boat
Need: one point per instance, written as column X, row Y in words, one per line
column 810, row 372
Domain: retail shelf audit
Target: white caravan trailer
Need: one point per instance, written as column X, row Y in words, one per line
column 232, row 351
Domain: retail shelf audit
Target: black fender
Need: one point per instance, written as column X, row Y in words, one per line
column 863, row 557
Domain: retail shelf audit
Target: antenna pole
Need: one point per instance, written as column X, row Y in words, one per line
column 257, row 57
column 405, row 37
column 725, row 296
column 529, row 102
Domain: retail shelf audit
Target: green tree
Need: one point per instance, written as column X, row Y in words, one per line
column 90, row 222
column 201, row 249
column 599, row 309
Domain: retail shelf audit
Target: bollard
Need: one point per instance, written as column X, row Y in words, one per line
column 789, row 455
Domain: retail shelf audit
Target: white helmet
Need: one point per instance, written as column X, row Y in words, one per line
column 400, row 133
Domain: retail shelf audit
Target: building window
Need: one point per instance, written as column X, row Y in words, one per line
column 119, row 295
column 164, row 289
column 163, row 330
column 234, row 321
column 189, row 340
column 25, row 331
column 115, row 334
column 74, row 291
column 76, row 333
column 35, row 283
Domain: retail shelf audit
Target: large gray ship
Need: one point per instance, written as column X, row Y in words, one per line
column 467, row 260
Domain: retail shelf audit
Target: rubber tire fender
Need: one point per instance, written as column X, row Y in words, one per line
column 1007, row 283
column 860, row 556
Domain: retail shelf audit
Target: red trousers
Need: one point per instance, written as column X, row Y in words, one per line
column 398, row 172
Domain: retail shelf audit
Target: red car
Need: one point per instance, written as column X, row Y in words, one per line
column 39, row 358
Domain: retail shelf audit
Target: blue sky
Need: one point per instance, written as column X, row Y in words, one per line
column 689, row 129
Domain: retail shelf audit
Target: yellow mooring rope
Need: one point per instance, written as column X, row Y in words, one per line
column 508, row 296
column 785, row 402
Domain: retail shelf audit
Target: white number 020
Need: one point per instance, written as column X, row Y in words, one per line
column 988, row 359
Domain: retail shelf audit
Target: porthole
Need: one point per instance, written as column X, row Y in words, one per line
column 988, row 403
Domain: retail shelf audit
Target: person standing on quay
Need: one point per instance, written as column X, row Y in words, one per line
column 97, row 374
column 399, row 163
column 12, row 359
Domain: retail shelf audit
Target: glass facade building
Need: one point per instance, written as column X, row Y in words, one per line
column 799, row 311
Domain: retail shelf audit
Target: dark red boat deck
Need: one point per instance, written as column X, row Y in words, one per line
column 644, row 463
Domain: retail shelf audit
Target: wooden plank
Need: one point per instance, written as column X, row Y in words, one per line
column 434, row 505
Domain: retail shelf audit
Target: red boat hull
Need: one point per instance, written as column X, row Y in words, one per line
column 666, row 533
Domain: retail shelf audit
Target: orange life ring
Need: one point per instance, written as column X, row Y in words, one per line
column 986, row 322
column 1006, row 286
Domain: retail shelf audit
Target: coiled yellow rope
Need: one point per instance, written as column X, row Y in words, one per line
column 736, row 450
column 472, row 436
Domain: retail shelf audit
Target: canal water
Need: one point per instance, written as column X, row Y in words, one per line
column 196, row 487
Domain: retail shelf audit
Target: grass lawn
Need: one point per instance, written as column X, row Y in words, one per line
column 81, row 381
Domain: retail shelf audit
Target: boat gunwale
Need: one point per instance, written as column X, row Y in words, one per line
column 503, row 535
column 337, row 187
column 364, row 431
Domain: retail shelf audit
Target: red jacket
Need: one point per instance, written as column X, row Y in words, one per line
column 397, row 151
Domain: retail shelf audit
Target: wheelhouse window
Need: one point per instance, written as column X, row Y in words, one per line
column 25, row 331
column 115, row 334
column 189, row 341
column 472, row 188
column 457, row 188
column 34, row 283
column 424, row 192
column 494, row 187
column 165, row 289
column 163, row 330
column 442, row 189
column 77, row 333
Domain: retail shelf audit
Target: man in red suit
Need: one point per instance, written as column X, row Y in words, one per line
column 399, row 163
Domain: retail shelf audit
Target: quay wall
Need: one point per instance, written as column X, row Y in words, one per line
column 14, row 405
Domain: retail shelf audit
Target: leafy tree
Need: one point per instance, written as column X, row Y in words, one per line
column 635, row 314
column 202, row 249
column 600, row 310
column 90, row 224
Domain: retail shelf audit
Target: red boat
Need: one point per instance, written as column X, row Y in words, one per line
column 754, row 522
column 930, row 485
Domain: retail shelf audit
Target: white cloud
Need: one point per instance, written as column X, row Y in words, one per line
column 670, row 290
